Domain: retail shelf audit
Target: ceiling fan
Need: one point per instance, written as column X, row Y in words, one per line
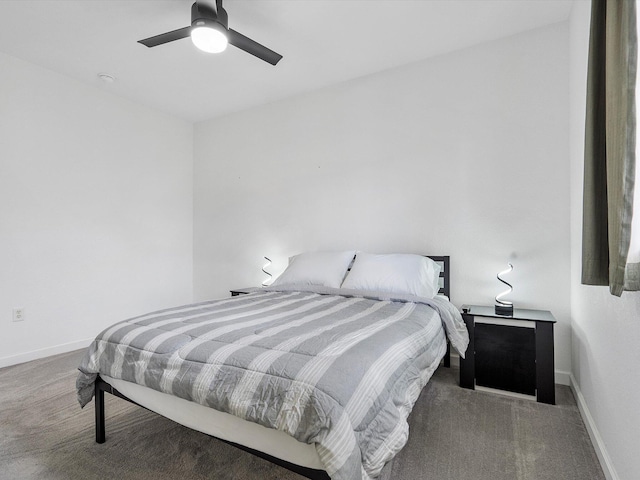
column 210, row 32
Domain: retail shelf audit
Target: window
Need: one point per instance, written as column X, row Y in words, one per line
column 608, row 256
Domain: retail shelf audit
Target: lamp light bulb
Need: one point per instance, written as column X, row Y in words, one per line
column 209, row 39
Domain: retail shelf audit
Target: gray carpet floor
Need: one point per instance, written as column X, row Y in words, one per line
column 454, row 434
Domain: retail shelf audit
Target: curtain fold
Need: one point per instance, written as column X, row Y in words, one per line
column 610, row 131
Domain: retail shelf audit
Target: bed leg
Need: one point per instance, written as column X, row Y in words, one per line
column 99, row 408
column 447, row 356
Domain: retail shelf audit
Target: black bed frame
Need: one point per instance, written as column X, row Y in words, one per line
column 445, row 289
column 313, row 474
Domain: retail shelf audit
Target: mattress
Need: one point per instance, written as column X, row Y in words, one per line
column 332, row 370
column 220, row 424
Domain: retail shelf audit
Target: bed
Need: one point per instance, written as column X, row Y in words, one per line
column 317, row 375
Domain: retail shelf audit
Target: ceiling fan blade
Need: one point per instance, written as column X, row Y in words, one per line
column 254, row 48
column 166, row 37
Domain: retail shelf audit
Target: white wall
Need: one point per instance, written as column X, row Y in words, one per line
column 606, row 329
column 464, row 154
column 95, row 210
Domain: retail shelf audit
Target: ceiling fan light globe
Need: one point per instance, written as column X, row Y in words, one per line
column 209, row 39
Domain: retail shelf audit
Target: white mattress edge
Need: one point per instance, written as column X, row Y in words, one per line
column 220, row 424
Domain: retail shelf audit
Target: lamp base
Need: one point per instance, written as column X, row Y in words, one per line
column 506, row 310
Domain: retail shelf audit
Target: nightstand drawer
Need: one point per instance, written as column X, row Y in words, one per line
column 505, row 358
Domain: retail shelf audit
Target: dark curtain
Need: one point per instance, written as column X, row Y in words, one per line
column 609, row 169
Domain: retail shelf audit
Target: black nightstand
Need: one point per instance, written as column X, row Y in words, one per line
column 512, row 353
column 240, row 291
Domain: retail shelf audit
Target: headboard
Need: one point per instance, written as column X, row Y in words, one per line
column 444, row 262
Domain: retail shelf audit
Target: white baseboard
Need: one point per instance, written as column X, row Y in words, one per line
column 455, row 359
column 44, row 352
column 563, row 378
column 596, row 439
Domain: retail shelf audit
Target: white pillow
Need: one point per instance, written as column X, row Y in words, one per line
column 316, row 268
column 395, row 273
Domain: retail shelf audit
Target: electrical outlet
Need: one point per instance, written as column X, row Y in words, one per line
column 18, row 314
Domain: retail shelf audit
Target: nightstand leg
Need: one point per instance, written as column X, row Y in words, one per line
column 468, row 363
column 545, row 375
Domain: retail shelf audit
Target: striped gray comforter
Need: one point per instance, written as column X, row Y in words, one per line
column 332, row 368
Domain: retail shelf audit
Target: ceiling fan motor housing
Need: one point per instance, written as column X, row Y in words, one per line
column 202, row 14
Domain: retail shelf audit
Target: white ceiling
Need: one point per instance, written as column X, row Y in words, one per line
column 323, row 42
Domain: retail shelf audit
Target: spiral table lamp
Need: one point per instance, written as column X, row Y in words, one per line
column 504, row 307
column 267, row 280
